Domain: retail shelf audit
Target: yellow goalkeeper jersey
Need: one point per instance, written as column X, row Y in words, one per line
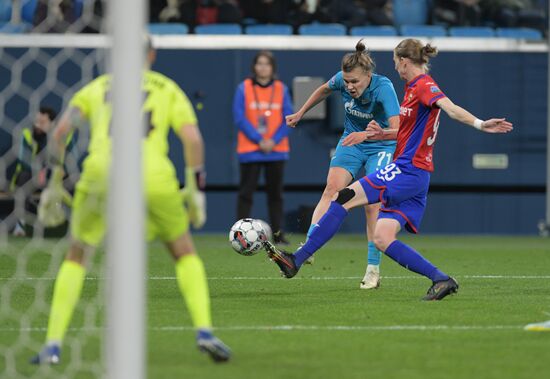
column 165, row 106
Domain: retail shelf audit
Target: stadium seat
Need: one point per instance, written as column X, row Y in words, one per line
column 5, row 10
column 423, row 31
column 78, row 7
column 471, row 31
column 28, row 10
column 168, row 28
column 218, row 29
column 249, row 21
column 524, row 33
column 9, row 28
column 410, row 12
column 269, row 29
column 322, row 30
column 379, row 31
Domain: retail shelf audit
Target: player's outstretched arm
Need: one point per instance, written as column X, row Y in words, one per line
column 320, row 94
column 494, row 125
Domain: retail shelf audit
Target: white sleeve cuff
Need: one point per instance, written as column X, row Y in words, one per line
column 478, row 123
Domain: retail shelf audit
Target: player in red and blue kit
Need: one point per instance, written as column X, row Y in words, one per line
column 401, row 186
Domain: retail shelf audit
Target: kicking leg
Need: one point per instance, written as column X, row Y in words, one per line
column 348, row 198
column 337, row 179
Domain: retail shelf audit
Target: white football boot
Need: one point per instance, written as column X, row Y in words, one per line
column 19, row 230
column 371, row 280
column 538, row 327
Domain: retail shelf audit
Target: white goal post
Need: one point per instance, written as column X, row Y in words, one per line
column 125, row 332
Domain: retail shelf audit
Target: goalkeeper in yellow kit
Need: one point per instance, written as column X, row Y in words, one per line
column 165, row 105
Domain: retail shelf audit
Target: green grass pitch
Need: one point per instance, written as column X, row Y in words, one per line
column 317, row 325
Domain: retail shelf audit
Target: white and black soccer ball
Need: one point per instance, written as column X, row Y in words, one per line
column 247, row 236
column 267, row 229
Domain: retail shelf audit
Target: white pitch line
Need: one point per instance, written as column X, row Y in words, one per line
column 302, row 328
column 305, row 278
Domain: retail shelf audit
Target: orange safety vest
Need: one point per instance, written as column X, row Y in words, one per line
column 265, row 102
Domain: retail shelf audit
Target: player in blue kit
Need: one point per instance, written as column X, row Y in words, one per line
column 366, row 96
column 401, row 186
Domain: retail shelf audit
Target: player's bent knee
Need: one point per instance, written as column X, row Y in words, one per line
column 381, row 241
column 345, row 195
column 330, row 191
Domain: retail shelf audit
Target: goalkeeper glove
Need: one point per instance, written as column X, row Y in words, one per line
column 50, row 209
column 193, row 196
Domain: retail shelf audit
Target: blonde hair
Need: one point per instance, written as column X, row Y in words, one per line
column 360, row 58
column 418, row 53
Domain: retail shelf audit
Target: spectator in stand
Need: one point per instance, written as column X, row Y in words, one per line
column 229, row 12
column 182, row 11
column 378, row 12
column 62, row 16
column 266, row 11
column 302, row 12
column 457, row 12
column 53, row 16
column 307, row 11
column 93, row 24
column 514, row 13
column 347, row 12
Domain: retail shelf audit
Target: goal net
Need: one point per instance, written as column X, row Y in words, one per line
column 40, row 70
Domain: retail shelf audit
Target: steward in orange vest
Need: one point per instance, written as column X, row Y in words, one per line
column 260, row 107
column 259, row 113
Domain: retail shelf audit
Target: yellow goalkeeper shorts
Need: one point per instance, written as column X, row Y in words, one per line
column 166, row 216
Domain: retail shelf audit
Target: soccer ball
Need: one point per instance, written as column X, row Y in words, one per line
column 247, row 236
column 267, row 230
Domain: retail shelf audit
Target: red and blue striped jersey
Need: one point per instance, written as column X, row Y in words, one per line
column 418, row 122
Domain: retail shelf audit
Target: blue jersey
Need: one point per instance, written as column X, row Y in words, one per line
column 378, row 102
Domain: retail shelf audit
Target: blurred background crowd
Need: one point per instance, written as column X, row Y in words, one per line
column 67, row 15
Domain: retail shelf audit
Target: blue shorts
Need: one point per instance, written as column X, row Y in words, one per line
column 402, row 189
column 372, row 156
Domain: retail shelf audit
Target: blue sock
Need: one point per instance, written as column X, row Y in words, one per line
column 310, row 230
column 412, row 260
column 374, row 255
column 326, row 228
